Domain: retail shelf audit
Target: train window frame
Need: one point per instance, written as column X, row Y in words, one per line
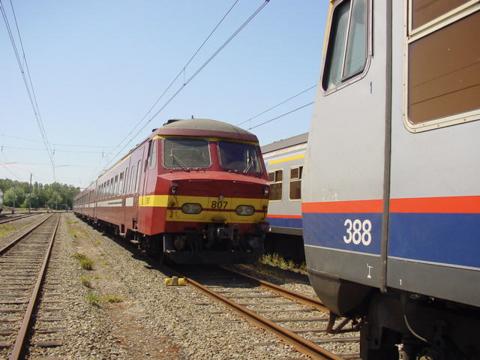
column 257, row 151
column 275, row 182
column 209, row 143
column 152, row 154
column 352, row 78
column 115, row 186
column 133, row 174
column 138, row 177
column 120, row 183
column 413, row 35
column 439, row 21
column 297, row 179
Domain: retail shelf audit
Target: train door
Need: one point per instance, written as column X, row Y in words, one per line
column 435, row 207
column 149, row 177
column 135, row 188
column 344, row 181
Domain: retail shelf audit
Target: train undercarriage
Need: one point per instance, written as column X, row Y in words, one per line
column 213, row 244
column 402, row 325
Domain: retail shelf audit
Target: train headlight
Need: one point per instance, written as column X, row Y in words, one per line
column 245, row 210
column 191, row 208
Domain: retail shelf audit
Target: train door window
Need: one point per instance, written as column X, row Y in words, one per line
column 275, row 181
column 125, row 182
column 115, row 187
column 446, row 91
column 137, row 181
column 296, row 183
column 131, row 179
column 152, row 154
column 120, row 184
column 347, row 50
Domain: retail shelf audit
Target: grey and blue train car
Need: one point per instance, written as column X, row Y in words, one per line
column 391, row 193
column 284, row 161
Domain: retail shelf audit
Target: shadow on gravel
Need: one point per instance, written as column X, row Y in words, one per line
column 211, row 275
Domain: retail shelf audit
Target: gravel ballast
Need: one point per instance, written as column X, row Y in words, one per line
column 152, row 320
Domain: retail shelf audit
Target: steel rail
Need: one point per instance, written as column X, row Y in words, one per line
column 14, row 218
column 22, row 334
column 301, row 344
column 22, row 235
column 303, row 299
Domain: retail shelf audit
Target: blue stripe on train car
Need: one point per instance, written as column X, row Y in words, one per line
column 331, row 230
column 294, row 223
column 441, row 238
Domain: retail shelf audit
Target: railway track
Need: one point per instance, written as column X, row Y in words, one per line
column 23, row 266
column 300, row 321
column 11, row 218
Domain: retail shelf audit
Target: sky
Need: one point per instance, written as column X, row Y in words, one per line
column 98, row 66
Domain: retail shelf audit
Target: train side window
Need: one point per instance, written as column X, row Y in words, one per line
column 347, row 50
column 152, row 154
column 296, row 183
column 120, row 184
column 131, row 180
column 137, row 181
column 444, row 92
column 275, row 179
column 425, row 11
column 126, row 184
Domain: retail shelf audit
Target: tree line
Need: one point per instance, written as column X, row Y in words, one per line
column 22, row 194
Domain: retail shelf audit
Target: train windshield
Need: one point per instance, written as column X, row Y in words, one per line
column 183, row 153
column 239, row 157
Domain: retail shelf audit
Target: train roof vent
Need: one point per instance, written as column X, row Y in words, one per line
column 170, row 121
column 153, row 130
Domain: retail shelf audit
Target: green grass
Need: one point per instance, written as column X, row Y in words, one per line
column 6, row 229
column 93, row 299
column 85, row 262
column 276, row 260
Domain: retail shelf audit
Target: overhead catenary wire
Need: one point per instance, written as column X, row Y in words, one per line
column 28, row 83
column 198, row 71
column 55, row 150
column 282, row 115
column 279, row 104
column 182, row 71
column 54, row 144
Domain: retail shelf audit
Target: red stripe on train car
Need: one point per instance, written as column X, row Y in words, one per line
column 437, row 205
column 338, row 207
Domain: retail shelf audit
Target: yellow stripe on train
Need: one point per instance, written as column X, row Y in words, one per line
column 213, row 202
column 285, row 159
column 215, row 209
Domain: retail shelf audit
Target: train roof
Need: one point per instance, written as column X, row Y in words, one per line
column 204, row 127
column 285, row 143
column 191, row 127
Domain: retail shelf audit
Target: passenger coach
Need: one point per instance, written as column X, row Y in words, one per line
column 284, row 160
column 391, row 195
column 195, row 191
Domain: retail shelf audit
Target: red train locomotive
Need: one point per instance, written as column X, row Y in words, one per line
column 195, row 191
